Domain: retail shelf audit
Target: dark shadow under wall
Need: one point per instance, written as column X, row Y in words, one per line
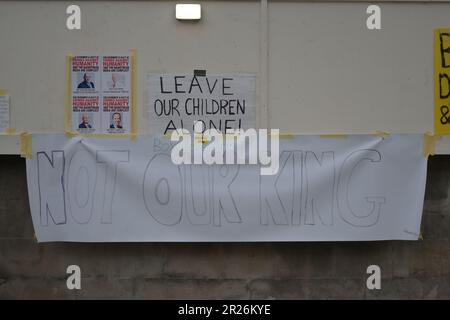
column 410, row 269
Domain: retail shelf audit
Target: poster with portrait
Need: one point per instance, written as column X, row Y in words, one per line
column 85, row 101
column 116, row 94
column 116, row 75
column 101, row 94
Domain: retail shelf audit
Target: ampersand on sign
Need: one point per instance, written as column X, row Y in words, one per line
column 444, row 113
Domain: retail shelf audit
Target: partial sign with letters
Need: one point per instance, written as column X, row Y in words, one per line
column 442, row 81
column 222, row 102
column 4, row 111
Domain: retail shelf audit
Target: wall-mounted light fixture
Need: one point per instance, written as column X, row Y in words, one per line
column 188, row 11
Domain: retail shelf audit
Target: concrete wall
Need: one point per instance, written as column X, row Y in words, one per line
column 410, row 270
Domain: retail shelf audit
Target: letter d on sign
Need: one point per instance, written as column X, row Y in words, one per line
column 74, row 280
column 374, row 280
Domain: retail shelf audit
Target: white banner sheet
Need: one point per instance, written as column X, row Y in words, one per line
column 358, row 188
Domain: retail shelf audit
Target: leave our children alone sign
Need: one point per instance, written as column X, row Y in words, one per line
column 221, row 102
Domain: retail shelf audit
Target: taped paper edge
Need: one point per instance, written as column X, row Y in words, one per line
column 10, row 131
column 429, row 144
column 283, row 136
column 25, row 145
column 70, row 134
column 334, row 136
column 381, row 134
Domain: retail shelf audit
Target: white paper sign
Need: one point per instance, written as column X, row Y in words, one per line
column 221, row 101
column 354, row 189
column 101, row 94
column 4, row 112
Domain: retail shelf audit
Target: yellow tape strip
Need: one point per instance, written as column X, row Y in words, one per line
column 104, row 135
column 201, row 139
column 429, row 147
column 334, row 136
column 70, row 134
column 283, row 136
column 381, row 134
column 167, row 135
column 10, row 131
column 287, row 136
column 25, row 145
column 3, row 93
column 429, row 144
column 134, row 108
column 68, row 109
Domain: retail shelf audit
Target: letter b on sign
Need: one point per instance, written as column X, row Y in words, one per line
column 74, row 280
column 374, row 280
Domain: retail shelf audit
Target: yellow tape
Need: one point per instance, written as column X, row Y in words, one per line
column 68, row 109
column 287, row 136
column 284, row 136
column 381, row 134
column 421, row 236
column 10, row 131
column 334, row 136
column 105, row 135
column 201, row 139
column 25, row 145
column 70, row 134
column 133, row 95
column 3, row 93
column 429, row 144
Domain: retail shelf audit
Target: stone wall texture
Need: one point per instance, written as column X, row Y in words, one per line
column 409, row 269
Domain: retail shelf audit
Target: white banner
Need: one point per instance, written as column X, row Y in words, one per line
column 361, row 187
